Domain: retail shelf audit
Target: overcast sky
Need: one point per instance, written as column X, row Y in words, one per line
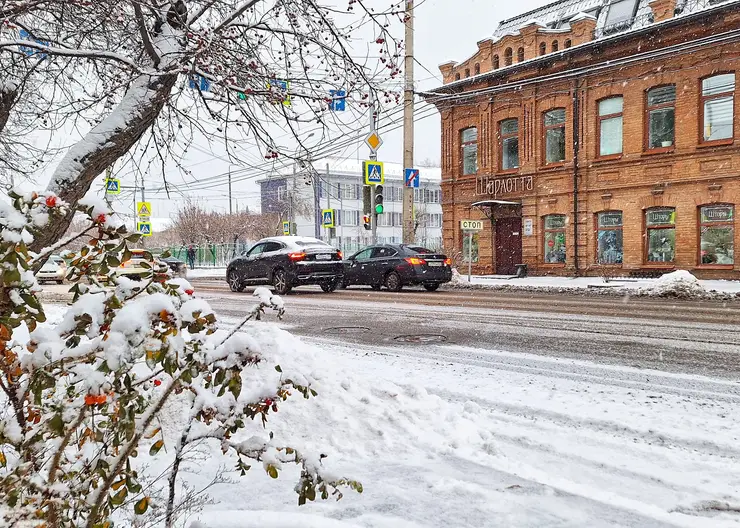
column 444, row 30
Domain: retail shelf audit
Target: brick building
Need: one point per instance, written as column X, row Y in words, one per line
column 598, row 136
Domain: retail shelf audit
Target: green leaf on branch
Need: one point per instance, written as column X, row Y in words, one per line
column 156, row 446
column 272, row 471
column 141, row 506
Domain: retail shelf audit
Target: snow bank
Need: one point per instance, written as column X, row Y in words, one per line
column 679, row 283
column 352, row 419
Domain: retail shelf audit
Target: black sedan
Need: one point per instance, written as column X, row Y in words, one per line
column 395, row 266
column 286, row 262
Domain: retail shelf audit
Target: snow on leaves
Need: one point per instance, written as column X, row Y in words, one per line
column 83, row 397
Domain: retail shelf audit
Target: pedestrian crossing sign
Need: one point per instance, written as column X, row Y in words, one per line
column 286, row 228
column 144, row 209
column 145, row 228
column 374, row 173
column 327, row 218
column 112, row 186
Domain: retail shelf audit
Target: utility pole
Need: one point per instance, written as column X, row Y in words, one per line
column 408, row 123
column 373, row 157
column 230, row 212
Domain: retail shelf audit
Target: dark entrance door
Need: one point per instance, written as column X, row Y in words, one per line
column 508, row 245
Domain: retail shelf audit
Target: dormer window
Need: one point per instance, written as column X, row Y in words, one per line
column 520, row 55
column 467, row 72
column 477, row 69
column 543, row 48
column 621, row 12
column 495, row 62
column 508, row 57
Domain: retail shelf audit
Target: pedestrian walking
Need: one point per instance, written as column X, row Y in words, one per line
column 191, row 257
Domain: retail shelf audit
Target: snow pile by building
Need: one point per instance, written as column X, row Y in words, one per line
column 679, row 283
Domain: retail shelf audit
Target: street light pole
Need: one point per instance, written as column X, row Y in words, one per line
column 408, row 123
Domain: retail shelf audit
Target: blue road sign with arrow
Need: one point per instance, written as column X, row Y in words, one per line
column 338, row 99
column 411, row 178
column 199, row 81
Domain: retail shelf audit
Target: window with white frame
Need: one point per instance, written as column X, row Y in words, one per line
column 350, row 218
column 434, row 220
column 350, row 191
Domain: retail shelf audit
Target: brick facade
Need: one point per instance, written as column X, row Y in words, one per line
column 685, row 175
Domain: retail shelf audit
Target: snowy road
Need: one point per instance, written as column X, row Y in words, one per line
column 675, row 336
column 522, row 418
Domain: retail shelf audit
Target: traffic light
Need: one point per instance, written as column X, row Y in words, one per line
column 378, row 199
column 366, row 222
column 367, row 199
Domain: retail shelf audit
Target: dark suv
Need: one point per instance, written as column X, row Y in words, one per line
column 286, row 262
column 396, row 265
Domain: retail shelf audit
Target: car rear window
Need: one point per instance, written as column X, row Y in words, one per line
column 309, row 243
column 419, row 249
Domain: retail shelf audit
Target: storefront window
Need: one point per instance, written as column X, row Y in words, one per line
column 509, row 133
column 554, row 239
column 661, row 110
column 717, row 229
column 609, row 237
column 555, row 136
column 661, row 235
column 470, row 248
column 469, row 138
column 610, row 126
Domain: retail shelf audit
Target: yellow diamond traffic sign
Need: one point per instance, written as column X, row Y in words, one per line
column 373, row 141
column 144, row 208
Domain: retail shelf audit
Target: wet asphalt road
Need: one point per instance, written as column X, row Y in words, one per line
column 663, row 334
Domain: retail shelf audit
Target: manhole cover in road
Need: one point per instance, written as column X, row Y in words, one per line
column 347, row 330
column 421, row 338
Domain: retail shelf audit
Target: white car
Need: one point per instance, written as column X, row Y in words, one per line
column 54, row 270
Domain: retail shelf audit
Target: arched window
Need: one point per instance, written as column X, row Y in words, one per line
column 477, row 69
column 457, row 76
column 661, row 117
column 469, row 146
column 554, row 128
column 554, row 45
column 467, row 72
column 717, row 229
column 495, row 62
column 609, row 238
column 660, row 239
column 543, row 48
column 508, row 57
column 554, row 239
column 520, row 55
column 567, row 43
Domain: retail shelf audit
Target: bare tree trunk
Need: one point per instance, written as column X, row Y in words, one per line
column 7, row 100
column 104, row 144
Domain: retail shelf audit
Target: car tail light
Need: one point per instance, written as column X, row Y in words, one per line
column 295, row 257
column 339, row 254
column 448, row 261
column 414, row 261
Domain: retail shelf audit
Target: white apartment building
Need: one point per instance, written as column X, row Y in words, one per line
column 337, row 185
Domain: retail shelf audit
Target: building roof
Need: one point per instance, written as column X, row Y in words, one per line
column 353, row 167
column 612, row 16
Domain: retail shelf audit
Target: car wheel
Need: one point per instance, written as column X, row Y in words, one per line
column 280, row 282
column 431, row 287
column 393, row 282
column 235, row 282
column 329, row 287
column 376, row 287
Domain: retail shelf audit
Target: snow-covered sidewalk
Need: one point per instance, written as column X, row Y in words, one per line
column 656, row 286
